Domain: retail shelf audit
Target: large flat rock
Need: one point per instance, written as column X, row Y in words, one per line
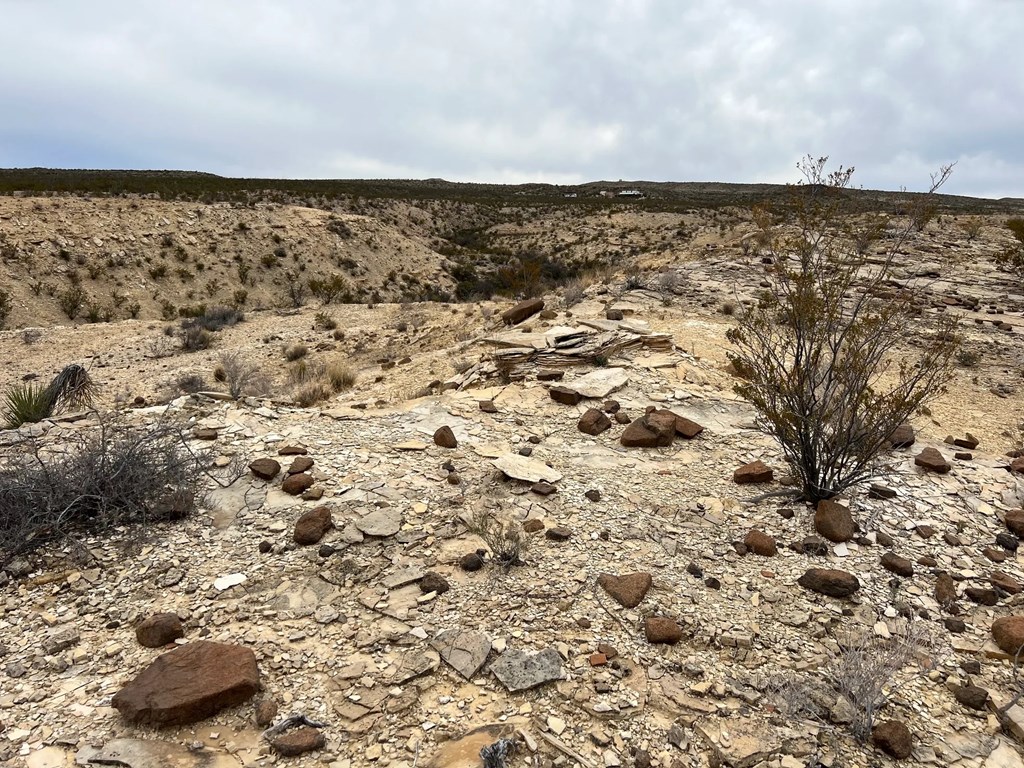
column 464, row 650
column 526, row 469
column 522, row 670
column 188, row 684
column 599, row 383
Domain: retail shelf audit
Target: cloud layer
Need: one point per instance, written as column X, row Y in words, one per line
column 531, row 90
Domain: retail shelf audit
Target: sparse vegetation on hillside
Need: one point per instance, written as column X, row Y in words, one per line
column 814, row 352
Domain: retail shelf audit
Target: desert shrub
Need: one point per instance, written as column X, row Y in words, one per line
column 241, row 376
column 331, row 290
column 30, row 403
column 504, row 539
column 218, row 316
column 294, row 352
column 967, row 358
column 195, row 338
column 31, row 335
column 574, row 292
column 728, row 308
column 116, row 475
column 71, row 301
column 239, row 297
column 972, row 226
column 191, row 382
column 1012, row 259
column 340, row 376
column 313, row 392
column 634, row 282
column 5, row 308
column 815, row 346
column 339, row 228
column 324, row 322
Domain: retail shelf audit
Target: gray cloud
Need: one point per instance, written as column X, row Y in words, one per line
column 532, row 90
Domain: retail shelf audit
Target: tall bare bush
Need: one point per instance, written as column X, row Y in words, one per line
column 817, row 350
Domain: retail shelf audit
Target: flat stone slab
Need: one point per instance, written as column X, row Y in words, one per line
column 146, row 753
column 464, row 650
column 599, row 383
column 379, row 524
column 526, row 469
column 188, row 684
column 522, row 670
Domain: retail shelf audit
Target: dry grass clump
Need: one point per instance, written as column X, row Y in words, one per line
column 315, row 381
column 340, row 376
column 294, row 352
column 312, row 392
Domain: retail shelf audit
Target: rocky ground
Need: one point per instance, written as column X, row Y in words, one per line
column 656, row 617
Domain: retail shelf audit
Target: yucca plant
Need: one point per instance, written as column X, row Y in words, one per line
column 31, row 403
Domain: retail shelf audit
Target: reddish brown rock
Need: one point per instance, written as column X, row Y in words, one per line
column 893, row 738
column 204, row 433
column 445, row 438
column 834, row 521
column 488, row 406
column 266, row 711
column 902, row 437
column 660, row 629
column 831, row 582
column 298, row 741
column 188, row 684
column 627, row 590
column 265, row 469
column 760, row 543
column 1005, row 582
column 292, row 449
column 593, row 422
column 930, row 459
column 522, row 311
column 945, row 590
column 296, row 484
column 312, row 526
column 901, row 566
column 1017, row 465
column 533, row 526
column 1015, row 522
column 1008, row 632
column 300, row 464
column 754, row 472
column 969, row 441
column 564, row 395
column 650, row 431
column 159, row 630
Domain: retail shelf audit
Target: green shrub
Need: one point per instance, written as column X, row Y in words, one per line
column 331, row 290
column 71, row 301
column 5, row 308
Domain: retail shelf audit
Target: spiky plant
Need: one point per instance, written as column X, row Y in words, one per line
column 31, row 403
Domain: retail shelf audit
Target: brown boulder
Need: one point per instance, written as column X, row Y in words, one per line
column 893, row 738
column 971, row 696
column 1008, row 632
column 754, row 472
column 834, row 521
column 903, row 436
column 933, row 461
column 298, row 741
column 300, row 464
column 945, row 590
column 522, row 311
column 593, row 422
column 628, row 590
column 1015, row 522
column 159, row 630
column 312, row 526
column 660, row 629
column 828, row 581
column 265, row 469
column 565, row 396
column 901, row 566
column 650, row 431
column 760, row 543
column 296, row 484
column 188, row 684
column 1005, row 582
column 445, row 438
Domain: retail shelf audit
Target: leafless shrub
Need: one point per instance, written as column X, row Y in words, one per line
column 573, row 292
column 817, row 344
column 242, row 376
column 113, row 476
column 668, row 281
column 190, row 382
column 972, row 226
column 462, row 364
column 503, row 539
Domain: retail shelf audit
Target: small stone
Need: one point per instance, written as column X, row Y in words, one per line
column 159, row 630
column 593, row 422
column 292, row 449
column 760, row 543
column 945, row 590
column 971, row 696
column 312, row 526
column 265, row 546
column 533, row 525
column 1008, row 633
column 266, row 711
column 930, row 459
column 471, row 562
column 627, row 590
column 265, row 469
column 754, row 472
column 1005, row 582
column 712, row 583
column 981, row 596
column 660, row 629
column 898, row 565
column 565, row 396
column 834, row 521
column 445, row 438
column 488, row 406
column 834, row 583
column 434, row 582
column 593, row 494
column 543, row 489
column 1007, row 541
column 296, row 484
column 204, row 433
column 300, row 464
column 298, row 741
column 893, row 738
column 954, row 625
column 902, row 437
column 879, row 491
column 558, row 533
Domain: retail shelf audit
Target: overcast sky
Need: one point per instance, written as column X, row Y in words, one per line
column 560, row 91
